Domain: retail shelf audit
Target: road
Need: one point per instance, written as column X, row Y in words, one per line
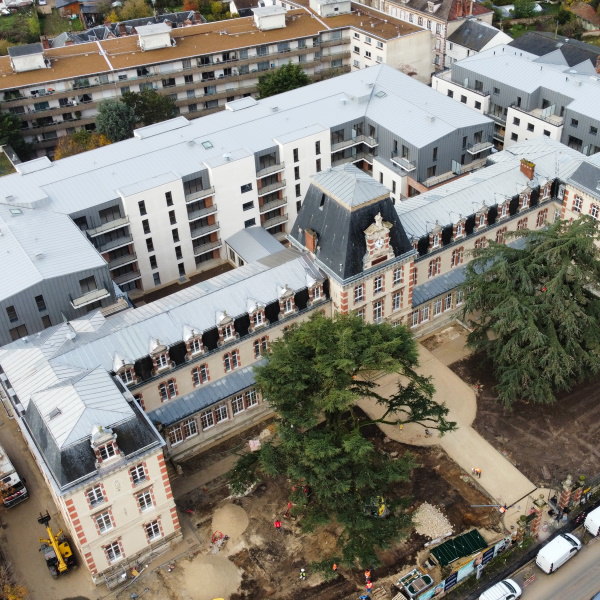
column 20, row 531
column 578, row 579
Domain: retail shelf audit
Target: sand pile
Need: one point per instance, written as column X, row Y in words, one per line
column 209, row 577
column 230, row 519
column 431, row 522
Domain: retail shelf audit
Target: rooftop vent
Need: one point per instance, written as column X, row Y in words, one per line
column 55, row 412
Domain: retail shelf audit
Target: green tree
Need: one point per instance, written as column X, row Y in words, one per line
column 10, row 133
column 524, row 9
column 135, row 9
column 287, row 77
column 115, row 120
column 149, row 106
column 535, row 311
column 78, row 142
column 314, row 376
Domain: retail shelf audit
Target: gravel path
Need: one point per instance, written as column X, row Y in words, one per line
column 431, row 522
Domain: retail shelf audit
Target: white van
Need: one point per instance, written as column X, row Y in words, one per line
column 592, row 521
column 506, row 589
column 557, row 552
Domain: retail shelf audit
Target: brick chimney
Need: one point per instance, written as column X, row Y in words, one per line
column 527, row 168
column 45, row 42
column 310, row 240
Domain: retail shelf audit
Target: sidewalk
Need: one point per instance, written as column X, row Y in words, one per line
column 500, row 478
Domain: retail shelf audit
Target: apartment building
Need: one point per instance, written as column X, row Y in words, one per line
column 100, row 456
column 56, row 91
column 473, row 36
column 440, row 17
column 50, row 271
column 157, row 207
column 555, row 95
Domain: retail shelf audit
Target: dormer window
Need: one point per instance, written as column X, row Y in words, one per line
column 288, row 305
column 228, row 331
column 460, row 229
column 316, row 292
column 430, row 7
column 504, row 210
column 523, row 201
column 162, row 360
column 481, row 220
column 196, row 345
column 107, row 451
column 286, row 300
column 435, row 240
column 258, row 318
column 127, row 375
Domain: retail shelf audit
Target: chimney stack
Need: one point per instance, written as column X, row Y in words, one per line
column 310, row 240
column 527, row 168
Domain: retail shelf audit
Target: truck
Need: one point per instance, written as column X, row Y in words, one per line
column 12, row 487
column 557, row 552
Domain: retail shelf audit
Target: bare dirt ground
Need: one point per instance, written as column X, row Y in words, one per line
column 546, row 443
column 260, row 562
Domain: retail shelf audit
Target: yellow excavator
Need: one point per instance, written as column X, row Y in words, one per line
column 56, row 549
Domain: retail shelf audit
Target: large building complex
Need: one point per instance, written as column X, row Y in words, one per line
column 94, row 395
column 157, row 207
column 56, row 91
column 554, row 95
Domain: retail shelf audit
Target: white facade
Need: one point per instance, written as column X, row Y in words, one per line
column 522, row 126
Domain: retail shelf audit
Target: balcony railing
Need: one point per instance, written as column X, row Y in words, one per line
column 127, row 277
column 109, row 226
column 121, row 261
column 200, row 231
column 204, row 248
column 198, row 213
column 359, row 139
column 480, row 147
column 353, row 158
column 116, row 243
column 274, row 221
column 267, row 206
column 89, row 298
column 403, row 163
column 270, row 169
column 272, row 187
column 199, row 195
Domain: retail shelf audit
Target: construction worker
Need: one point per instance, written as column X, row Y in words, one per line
column 302, row 574
column 368, row 574
column 369, row 586
column 277, row 524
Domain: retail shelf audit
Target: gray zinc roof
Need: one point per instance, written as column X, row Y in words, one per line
column 587, row 176
column 253, row 243
column 473, row 34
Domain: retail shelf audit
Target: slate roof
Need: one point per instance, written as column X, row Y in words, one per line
column 339, row 227
column 587, row 176
column 541, row 43
column 447, row 10
column 203, row 397
column 253, row 243
column 25, row 49
column 473, row 34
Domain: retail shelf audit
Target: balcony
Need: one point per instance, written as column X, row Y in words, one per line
column 270, row 170
column 204, row 248
column 109, row 226
column 199, row 195
column 89, row 298
column 127, row 277
column 479, row 147
column 403, row 163
column 200, row 231
column 353, row 158
column 359, row 139
column 121, row 261
column 272, row 187
column 278, row 220
column 267, row 206
column 198, row 213
column 114, row 244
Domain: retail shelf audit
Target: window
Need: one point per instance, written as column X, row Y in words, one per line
column 481, row 220
column 318, row 165
column 574, row 123
column 317, row 147
column 450, row 94
column 356, row 50
column 169, row 198
column 296, row 172
column 95, row 495
column 530, row 127
column 448, row 302
column 247, row 187
column 231, row 360
column 88, row 284
column 251, row 398
column 496, row 90
column 167, row 390
column 397, row 300
column 142, row 207
column 127, row 375
column 459, row 297
column 18, row 332
column 175, row 234
column 501, row 235
column 437, row 307
column 153, row 262
column 477, row 105
column 522, row 224
column 480, row 243
column 113, row 552
column 178, row 254
column 138, row 474
column 435, row 153
column 367, row 54
column 459, row 229
column 41, row 305
column 398, row 276
column 504, row 210
column 516, row 121
column 248, row 205
column 360, row 312
column 172, row 217
column 11, row 311
column 594, row 211
column 200, row 375
column 237, row 405
column 457, row 257
column 261, row 346
column 425, row 314
column 221, row 413
column 435, row 240
column 189, row 428
column 514, row 137
column 46, row 322
column 258, row 318
column 368, row 40
column 378, row 284
column 434, row 267
column 295, row 152
column 577, row 204
column 463, row 99
column 359, row 293
column 414, row 320
column 144, row 500
column 288, row 305
column 207, row 419
column 298, row 192
column 593, row 130
column 380, row 45
column 356, row 36
column 152, row 530
column 103, row 522
column 546, row 133
column 542, row 217
column 250, row 223
column 149, row 245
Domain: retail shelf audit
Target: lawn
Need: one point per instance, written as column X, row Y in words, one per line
column 53, row 24
column 5, row 165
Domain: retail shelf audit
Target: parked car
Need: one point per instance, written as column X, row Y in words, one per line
column 507, row 589
column 557, row 552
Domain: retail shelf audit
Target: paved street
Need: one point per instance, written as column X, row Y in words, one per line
column 20, row 533
column 579, row 579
